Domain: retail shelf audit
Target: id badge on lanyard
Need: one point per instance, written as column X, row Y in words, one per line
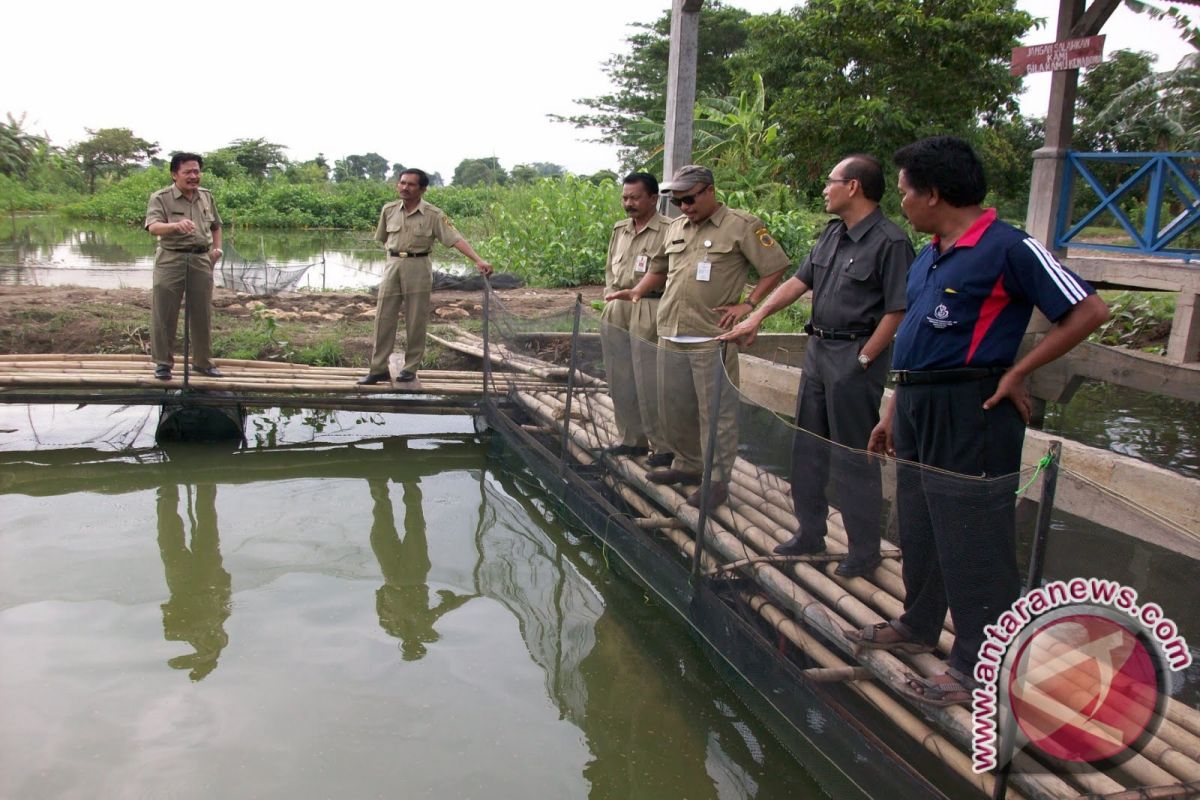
column 704, row 268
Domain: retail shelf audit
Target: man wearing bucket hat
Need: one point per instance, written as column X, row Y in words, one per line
column 710, row 250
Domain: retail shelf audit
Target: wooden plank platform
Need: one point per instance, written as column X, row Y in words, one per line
column 127, row 379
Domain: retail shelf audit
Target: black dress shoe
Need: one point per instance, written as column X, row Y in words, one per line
column 210, row 372
column 799, row 546
column 625, row 450
column 666, row 476
column 857, row 568
column 162, row 372
column 374, row 378
column 405, row 376
column 660, row 459
column 718, row 493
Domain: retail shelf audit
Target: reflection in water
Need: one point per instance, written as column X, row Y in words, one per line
column 199, row 585
column 403, row 600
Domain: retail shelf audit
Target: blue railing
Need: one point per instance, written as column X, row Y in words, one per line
column 1156, row 179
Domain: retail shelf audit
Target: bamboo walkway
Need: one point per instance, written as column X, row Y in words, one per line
column 53, row 378
column 811, row 607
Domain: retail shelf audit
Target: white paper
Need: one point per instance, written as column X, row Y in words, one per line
column 689, row 339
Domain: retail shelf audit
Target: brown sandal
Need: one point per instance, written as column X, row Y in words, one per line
column 869, row 637
column 948, row 689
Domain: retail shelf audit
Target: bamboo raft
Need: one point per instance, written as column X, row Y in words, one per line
column 129, row 379
column 809, row 606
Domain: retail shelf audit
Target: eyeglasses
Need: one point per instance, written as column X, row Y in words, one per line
column 837, row 180
column 688, row 199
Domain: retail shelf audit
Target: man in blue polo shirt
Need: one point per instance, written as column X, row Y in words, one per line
column 961, row 405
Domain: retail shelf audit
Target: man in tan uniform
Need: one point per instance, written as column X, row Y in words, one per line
column 629, row 333
column 710, row 250
column 408, row 228
column 184, row 218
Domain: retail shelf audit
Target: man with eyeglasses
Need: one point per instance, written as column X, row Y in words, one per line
column 710, row 250
column 856, row 271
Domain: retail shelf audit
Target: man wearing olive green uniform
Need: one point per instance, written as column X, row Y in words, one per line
column 710, row 250
column 184, row 218
column 408, row 228
column 629, row 334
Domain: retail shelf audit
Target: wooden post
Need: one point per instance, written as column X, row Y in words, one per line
column 681, row 87
column 1045, row 186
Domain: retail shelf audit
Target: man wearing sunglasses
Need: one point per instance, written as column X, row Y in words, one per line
column 710, row 250
column 856, row 271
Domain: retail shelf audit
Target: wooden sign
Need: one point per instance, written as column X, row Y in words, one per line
column 1067, row 54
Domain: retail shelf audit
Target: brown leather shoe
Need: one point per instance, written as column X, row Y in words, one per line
column 718, row 493
column 667, row 476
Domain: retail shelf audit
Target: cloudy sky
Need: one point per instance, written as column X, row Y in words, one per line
column 423, row 83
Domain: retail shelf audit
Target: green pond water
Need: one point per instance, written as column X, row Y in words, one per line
column 350, row 606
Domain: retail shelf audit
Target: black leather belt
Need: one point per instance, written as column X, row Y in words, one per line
column 406, row 254
column 195, row 250
column 958, row 375
column 652, row 296
column 827, row 333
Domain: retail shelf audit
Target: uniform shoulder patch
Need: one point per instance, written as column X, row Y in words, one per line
column 764, row 237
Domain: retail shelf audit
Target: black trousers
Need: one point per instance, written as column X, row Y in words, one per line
column 957, row 533
column 839, row 403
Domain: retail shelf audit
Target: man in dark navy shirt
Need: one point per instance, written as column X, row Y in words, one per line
column 961, row 405
column 856, row 271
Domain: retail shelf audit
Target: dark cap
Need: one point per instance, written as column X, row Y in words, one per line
column 687, row 177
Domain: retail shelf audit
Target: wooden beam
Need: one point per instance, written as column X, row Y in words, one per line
column 1094, row 18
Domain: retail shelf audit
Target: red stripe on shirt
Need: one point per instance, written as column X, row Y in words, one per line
column 991, row 308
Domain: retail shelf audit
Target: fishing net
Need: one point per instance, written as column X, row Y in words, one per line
column 780, row 620
column 240, row 272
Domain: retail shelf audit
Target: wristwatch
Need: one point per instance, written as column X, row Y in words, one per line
column 864, row 360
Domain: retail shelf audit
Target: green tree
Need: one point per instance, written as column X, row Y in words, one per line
column 639, row 76
column 1006, row 146
column 480, row 171
column 873, row 75
column 1098, row 87
column 528, row 173
column 371, row 166
column 111, row 152
column 256, row 157
column 1157, row 112
column 315, row 170
column 18, row 147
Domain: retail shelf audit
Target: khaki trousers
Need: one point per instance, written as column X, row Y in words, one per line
column 172, row 270
column 406, row 285
column 627, row 333
column 685, row 387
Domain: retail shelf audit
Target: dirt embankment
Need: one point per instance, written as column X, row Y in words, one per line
column 71, row 319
